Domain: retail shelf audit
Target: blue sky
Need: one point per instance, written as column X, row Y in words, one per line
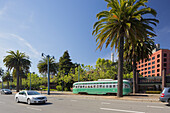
column 54, row 26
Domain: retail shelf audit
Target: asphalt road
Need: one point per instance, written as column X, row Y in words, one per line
column 71, row 104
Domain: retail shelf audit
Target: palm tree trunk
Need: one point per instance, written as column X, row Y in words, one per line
column 120, row 69
column 8, row 84
column 20, row 81
column 17, row 72
column 134, row 74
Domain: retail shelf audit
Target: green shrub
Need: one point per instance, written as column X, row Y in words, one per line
column 153, row 92
column 59, row 88
column 42, row 86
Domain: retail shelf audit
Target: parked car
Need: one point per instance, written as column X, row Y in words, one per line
column 30, row 97
column 165, row 95
column 6, row 91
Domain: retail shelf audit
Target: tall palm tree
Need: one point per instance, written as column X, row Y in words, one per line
column 123, row 22
column 42, row 66
column 16, row 61
column 141, row 51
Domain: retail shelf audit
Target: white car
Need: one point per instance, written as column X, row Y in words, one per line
column 30, row 97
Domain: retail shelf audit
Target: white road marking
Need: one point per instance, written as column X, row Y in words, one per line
column 34, row 108
column 155, row 107
column 73, row 100
column 2, row 102
column 105, row 103
column 120, row 110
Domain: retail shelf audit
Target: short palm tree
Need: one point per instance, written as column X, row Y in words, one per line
column 123, row 22
column 16, row 61
column 42, row 66
column 142, row 50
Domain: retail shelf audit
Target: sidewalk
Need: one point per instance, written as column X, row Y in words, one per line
column 137, row 97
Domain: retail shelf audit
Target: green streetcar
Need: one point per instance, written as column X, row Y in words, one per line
column 102, row 86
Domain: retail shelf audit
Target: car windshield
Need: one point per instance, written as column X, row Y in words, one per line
column 33, row 93
column 6, row 90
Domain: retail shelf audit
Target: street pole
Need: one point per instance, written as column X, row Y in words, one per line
column 78, row 73
column 48, row 57
column 30, row 81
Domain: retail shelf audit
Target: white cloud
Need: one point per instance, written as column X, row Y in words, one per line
column 3, row 10
column 15, row 42
column 25, row 43
column 165, row 30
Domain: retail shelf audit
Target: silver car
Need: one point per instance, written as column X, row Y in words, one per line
column 30, row 97
column 165, row 95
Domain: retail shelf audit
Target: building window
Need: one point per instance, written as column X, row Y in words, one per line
column 145, row 68
column 150, row 59
column 158, row 65
column 149, row 72
column 145, row 73
column 165, row 69
column 149, row 75
column 158, row 70
column 146, row 60
column 153, row 62
column 142, row 65
column 153, row 75
column 142, row 70
column 153, row 71
column 158, row 60
column 165, row 64
column 139, row 62
column 165, row 55
column 141, row 73
column 157, row 74
column 139, row 66
column 158, row 56
column 165, row 60
column 149, row 68
column 153, row 58
column 149, row 63
column 153, row 67
column 145, row 64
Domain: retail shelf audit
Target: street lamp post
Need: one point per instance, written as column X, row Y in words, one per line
column 48, row 71
column 30, row 81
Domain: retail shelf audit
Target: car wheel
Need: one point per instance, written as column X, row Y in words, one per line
column 29, row 102
column 17, row 100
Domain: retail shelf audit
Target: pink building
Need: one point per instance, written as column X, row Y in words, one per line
column 158, row 61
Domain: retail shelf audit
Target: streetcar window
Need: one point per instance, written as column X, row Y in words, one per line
column 106, row 86
column 103, row 86
column 110, row 86
column 100, row 86
column 113, row 86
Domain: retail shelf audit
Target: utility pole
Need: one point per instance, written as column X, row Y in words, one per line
column 48, row 71
column 30, row 81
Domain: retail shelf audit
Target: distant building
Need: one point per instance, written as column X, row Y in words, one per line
column 112, row 57
column 159, row 60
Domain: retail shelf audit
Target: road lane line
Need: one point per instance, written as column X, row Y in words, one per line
column 109, row 109
column 34, row 108
column 2, row 102
column 154, row 107
column 105, row 103
column 73, row 100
